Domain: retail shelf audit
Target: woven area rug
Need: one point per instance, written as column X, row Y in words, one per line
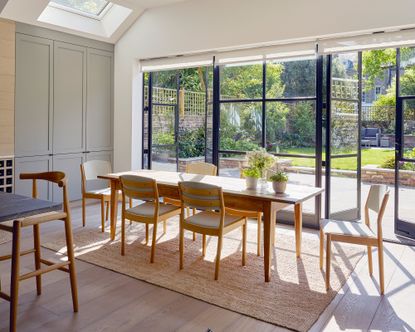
column 294, row 298
column 5, row 237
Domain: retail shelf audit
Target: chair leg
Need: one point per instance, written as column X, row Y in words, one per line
column 102, row 215
column 164, row 227
column 218, row 257
column 14, row 284
column 181, row 248
column 381, row 268
column 369, row 258
column 203, row 245
column 153, row 243
column 122, row 235
column 258, row 240
column 244, row 227
column 328, row 258
column 321, row 248
column 188, row 214
column 107, row 212
column 130, row 204
column 83, row 211
column 146, row 234
column 36, row 241
column 71, row 259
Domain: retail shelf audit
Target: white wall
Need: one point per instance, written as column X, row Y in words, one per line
column 201, row 25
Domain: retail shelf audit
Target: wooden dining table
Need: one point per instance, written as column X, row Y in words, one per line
column 236, row 196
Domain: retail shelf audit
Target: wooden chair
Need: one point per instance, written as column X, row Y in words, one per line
column 15, row 228
column 200, row 168
column 152, row 211
column 89, row 171
column 212, row 221
column 358, row 232
column 253, row 215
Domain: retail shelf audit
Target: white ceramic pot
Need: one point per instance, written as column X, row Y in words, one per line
column 279, row 187
column 251, row 183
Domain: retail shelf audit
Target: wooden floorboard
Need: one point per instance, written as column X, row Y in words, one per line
column 110, row 301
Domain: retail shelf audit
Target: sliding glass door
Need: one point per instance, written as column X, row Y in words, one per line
column 405, row 143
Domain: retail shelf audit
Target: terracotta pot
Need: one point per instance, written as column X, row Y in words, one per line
column 279, row 187
column 251, row 183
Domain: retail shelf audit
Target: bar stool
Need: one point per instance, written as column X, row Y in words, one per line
column 15, row 228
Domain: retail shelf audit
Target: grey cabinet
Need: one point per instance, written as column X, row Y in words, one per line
column 34, row 95
column 70, row 165
column 69, row 98
column 64, row 103
column 99, row 100
column 31, row 165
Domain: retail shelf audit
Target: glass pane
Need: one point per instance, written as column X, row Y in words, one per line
column 231, row 164
column 241, row 81
column 407, row 193
column 240, row 126
column 94, row 7
column 164, row 149
column 409, row 128
column 291, row 78
column 344, row 127
column 165, row 87
column 407, row 77
column 343, row 198
column 291, row 127
column 344, row 74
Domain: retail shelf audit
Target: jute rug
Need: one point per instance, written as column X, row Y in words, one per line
column 294, row 298
column 5, row 237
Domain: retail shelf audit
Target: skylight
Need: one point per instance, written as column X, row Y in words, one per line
column 85, row 7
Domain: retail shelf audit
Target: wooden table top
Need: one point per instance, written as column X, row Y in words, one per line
column 14, row 206
column 234, row 186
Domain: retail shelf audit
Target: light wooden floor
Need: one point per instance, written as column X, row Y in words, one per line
column 110, row 301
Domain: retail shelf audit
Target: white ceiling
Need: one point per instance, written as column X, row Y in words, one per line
column 110, row 29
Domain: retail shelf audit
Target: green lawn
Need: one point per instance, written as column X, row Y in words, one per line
column 369, row 157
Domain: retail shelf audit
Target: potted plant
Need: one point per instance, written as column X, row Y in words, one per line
column 261, row 160
column 279, row 181
column 251, row 175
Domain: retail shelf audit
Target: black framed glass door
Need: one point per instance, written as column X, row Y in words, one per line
column 164, row 108
column 343, row 146
column 405, row 143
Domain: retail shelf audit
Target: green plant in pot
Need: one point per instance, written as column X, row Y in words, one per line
column 279, row 181
column 251, row 175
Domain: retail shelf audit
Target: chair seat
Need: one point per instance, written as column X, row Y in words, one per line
column 104, row 191
column 209, row 219
column 147, row 209
column 348, row 228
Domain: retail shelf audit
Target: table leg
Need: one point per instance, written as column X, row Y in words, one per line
column 114, row 208
column 298, row 227
column 267, row 240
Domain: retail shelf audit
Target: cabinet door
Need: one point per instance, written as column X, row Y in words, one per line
column 33, row 110
column 70, row 165
column 33, row 165
column 102, row 155
column 99, row 100
column 69, row 98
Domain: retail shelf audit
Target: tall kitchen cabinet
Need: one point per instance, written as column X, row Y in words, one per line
column 63, row 109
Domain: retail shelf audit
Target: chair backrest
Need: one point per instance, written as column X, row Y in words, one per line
column 202, row 168
column 139, row 187
column 377, row 200
column 56, row 177
column 93, row 168
column 201, row 196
